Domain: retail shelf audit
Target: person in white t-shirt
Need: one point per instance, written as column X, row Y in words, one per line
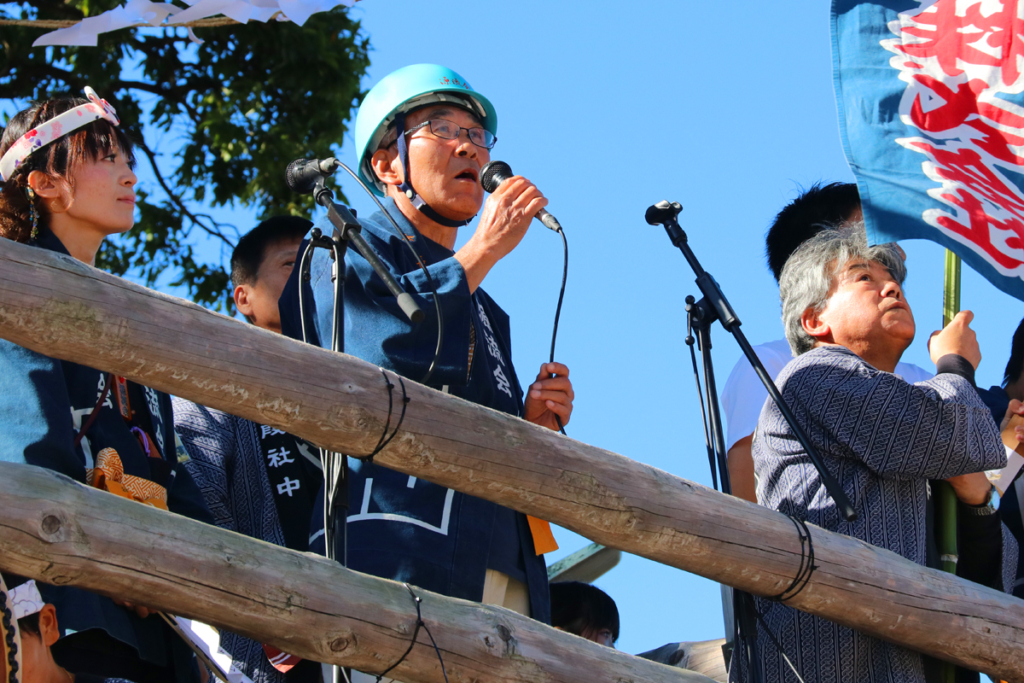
column 819, row 208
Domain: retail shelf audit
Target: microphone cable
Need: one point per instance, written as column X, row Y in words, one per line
column 419, row 261
column 492, row 175
column 558, row 311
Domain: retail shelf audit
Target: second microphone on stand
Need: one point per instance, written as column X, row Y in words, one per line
column 303, row 174
column 495, row 173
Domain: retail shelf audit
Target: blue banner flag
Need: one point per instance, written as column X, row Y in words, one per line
column 931, row 112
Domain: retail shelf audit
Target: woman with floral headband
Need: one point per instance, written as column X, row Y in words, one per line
column 66, row 183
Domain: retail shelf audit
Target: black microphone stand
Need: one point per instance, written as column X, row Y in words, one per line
column 335, row 465
column 346, row 231
column 713, row 306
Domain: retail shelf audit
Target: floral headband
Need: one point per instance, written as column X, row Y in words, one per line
column 55, row 128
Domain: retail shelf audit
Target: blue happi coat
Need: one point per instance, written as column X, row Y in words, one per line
column 400, row 527
column 44, row 402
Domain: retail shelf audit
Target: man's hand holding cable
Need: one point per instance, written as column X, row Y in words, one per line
column 505, row 219
column 549, row 397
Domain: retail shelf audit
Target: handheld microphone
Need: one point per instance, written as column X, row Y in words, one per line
column 303, row 174
column 495, row 173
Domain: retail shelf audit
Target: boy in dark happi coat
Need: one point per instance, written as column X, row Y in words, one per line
column 257, row 480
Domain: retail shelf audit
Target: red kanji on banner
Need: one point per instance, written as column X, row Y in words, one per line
column 965, row 169
column 980, row 33
column 963, row 59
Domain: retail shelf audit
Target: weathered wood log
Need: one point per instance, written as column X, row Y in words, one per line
column 66, row 533
column 64, row 309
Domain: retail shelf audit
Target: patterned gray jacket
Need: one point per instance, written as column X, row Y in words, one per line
column 226, row 461
column 883, row 439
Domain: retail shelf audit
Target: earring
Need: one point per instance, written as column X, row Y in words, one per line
column 33, row 213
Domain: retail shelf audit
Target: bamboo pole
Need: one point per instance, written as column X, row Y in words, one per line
column 57, row 306
column 945, row 496
column 65, row 533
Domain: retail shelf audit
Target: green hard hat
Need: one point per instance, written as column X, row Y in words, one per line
column 409, row 88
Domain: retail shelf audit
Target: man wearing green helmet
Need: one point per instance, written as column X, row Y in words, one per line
column 423, row 135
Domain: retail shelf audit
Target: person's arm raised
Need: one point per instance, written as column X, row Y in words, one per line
column 741, row 469
column 506, row 217
column 935, row 429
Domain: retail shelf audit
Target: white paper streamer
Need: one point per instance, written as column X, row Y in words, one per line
column 87, row 31
column 300, row 10
column 207, row 639
column 1002, row 479
column 242, row 11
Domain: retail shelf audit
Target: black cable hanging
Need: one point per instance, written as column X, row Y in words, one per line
column 778, row 645
column 419, row 261
column 806, row 568
column 703, row 412
column 419, row 622
column 799, row 582
column 558, row 311
column 385, row 438
column 331, row 463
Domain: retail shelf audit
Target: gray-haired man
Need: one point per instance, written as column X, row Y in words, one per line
column 848, row 323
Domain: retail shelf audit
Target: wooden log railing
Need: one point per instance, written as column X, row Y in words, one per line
column 62, row 308
column 65, row 533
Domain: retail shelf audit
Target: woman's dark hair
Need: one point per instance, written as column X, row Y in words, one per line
column 583, row 609
column 59, row 160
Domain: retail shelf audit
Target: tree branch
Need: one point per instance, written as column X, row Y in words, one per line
column 179, row 95
column 48, row 69
column 176, row 200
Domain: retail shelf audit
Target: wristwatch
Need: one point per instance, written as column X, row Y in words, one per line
column 983, row 510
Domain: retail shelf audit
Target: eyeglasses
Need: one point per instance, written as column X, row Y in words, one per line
column 449, row 130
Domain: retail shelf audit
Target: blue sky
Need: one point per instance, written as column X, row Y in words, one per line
column 727, row 108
